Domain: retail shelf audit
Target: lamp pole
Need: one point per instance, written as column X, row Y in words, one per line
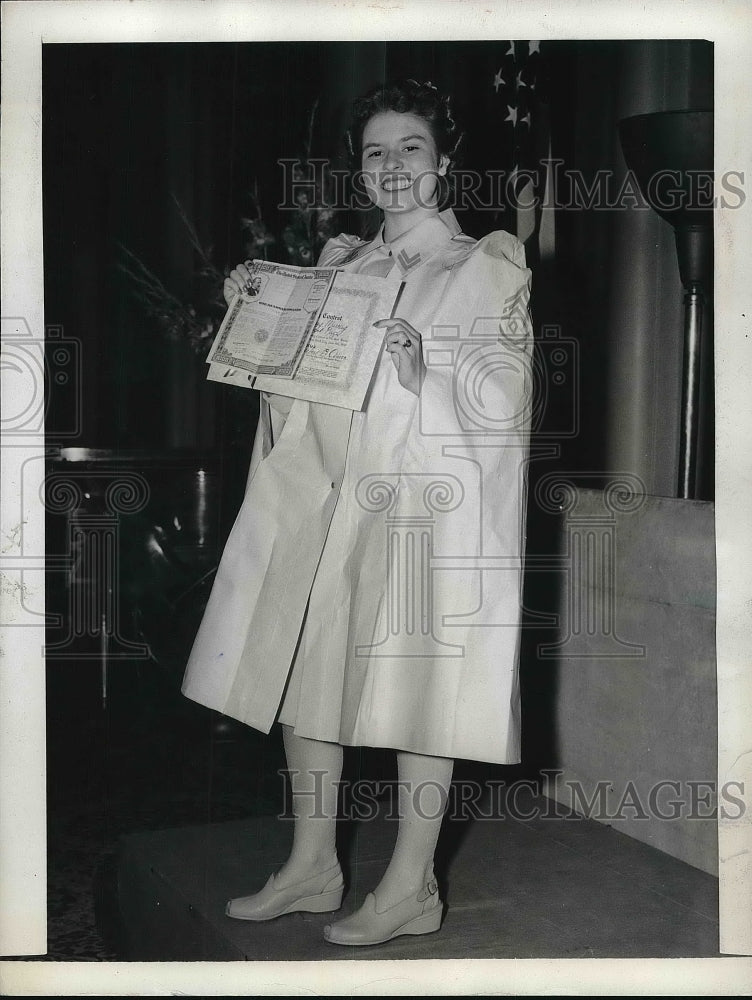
column 680, row 143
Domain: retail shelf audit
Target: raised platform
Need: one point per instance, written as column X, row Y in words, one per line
column 533, row 888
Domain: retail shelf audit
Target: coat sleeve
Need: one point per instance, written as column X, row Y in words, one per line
column 478, row 381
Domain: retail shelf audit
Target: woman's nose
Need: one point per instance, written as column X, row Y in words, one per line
column 393, row 160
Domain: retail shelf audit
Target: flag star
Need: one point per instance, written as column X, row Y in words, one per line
column 526, row 119
column 510, row 50
column 519, row 82
column 498, row 81
column 533, row 47
column 512, row 116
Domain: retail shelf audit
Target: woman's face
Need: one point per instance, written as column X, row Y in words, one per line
column 400, row 162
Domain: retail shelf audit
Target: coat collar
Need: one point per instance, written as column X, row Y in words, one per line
column 418, row 244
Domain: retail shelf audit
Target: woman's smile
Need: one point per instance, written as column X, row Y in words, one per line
column 396, row 182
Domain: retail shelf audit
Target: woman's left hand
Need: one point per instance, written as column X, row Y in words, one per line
column 403, row 343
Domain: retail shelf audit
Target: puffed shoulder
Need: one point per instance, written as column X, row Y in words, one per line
column 338, row 247
column 503, row 245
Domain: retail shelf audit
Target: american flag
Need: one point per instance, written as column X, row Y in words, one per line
column 521, row 88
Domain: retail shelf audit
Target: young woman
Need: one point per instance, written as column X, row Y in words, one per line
column 369, row 593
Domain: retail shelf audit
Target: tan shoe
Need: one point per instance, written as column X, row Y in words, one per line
column 318, row 894
column 420, row 914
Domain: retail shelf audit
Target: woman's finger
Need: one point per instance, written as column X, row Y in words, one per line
column 230, row 289
column 241, row 275
column 397, row 323
column 391, row 321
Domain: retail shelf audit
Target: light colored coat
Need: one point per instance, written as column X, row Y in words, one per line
column 371, row 584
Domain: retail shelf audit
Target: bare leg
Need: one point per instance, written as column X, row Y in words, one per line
column 315, row 769
column 423, row 793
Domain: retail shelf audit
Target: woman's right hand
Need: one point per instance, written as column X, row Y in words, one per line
column 236, row 282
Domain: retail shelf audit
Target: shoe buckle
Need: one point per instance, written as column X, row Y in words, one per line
column 430, row 889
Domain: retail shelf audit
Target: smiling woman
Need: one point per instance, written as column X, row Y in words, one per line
column 346, row 515
column 403, row 141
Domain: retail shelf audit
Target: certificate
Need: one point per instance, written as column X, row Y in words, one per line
column 267, row 327
column 344, row 347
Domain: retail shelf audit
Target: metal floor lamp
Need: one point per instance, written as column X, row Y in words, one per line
column 671, row 156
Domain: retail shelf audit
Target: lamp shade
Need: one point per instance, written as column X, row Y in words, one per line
column 670, row 154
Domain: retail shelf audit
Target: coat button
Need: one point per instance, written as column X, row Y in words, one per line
column 334, row 486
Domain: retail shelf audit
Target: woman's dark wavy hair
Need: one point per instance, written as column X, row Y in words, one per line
column 406, row 96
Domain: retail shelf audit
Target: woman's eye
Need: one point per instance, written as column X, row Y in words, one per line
column 373, row 154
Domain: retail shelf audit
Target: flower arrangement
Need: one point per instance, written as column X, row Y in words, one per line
column 308, row 226
column 179, row 320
